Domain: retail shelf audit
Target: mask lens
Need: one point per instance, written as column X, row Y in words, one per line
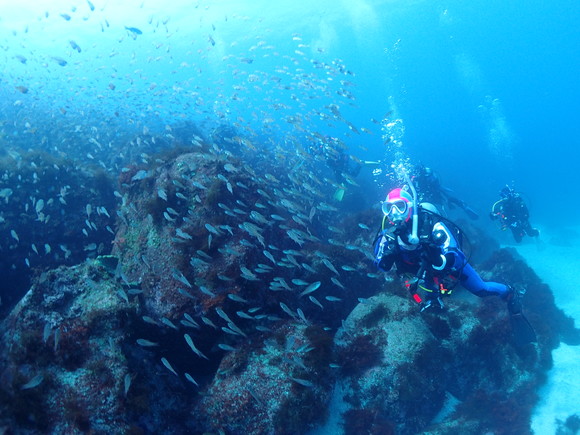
column 397, row 207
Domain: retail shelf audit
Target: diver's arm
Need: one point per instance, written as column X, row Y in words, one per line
column 494, row 214
column 384, row 253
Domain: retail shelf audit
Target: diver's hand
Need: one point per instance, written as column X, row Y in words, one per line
column 386, row 262
column 434, row 256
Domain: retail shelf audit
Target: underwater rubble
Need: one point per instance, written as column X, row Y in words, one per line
column 239, row 299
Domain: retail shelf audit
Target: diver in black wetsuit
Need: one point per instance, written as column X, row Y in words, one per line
column 343, row 166
column 432, row 191
column 512, row 213
column 426, row 249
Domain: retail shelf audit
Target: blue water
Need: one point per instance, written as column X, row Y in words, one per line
column 488, row 91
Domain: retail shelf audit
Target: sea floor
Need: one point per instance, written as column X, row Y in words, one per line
column 555, row 258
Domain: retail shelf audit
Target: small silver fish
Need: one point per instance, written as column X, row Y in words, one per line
column 146, row 343
column 212, row 229
column 222, row 314
column 287, row 310
column 168, row 366
column 208, row 322
column 269, row 256
column 169, row 323
column 302, row 382
column 311, row 288
column 150, row 320
column 190, row 379
column 33, row 383
column 338, row 283
column 315, row 301
column 236, row 298
column 328, row 264
column 243, row 315
column 333, row 299
column 189, row 341
column 127, row 381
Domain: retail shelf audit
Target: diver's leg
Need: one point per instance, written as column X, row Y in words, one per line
column 471, row 280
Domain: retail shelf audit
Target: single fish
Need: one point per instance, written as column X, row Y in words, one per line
column 190, row 379
column 315, row 301
column 269, row 256
column 46, row 333
column 302, row 382
column 189, row 341
column 328, row 264
column 161, row 193
column 311, row 288
column 33, row 383
column 134, row 30
column 237, row 298
column 333, row 299
column 190, row 320
column 208, row 322
column 287, row 310
column 146, row 343
column 338, row 283
column 168, row 366
column 169, row 323
column 212, row 229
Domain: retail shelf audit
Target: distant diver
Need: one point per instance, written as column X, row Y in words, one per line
column 344, row 166
column 431, row 190
column 426, row 249
column 511, row 212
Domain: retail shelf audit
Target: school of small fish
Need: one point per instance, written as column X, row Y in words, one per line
column 274, row 197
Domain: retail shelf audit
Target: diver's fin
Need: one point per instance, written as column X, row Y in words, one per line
column 471, row 213
column 523, row 331
column 339, row 194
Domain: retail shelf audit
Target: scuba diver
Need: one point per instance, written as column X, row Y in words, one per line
column 345, row 167
column 432, row 191
column 426, row 248
column 512, row 213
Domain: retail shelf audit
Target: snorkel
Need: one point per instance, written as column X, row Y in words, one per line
column 414, row 237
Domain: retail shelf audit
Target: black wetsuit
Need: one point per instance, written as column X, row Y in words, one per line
column 513, row 214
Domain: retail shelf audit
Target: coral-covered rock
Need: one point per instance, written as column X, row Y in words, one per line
column 388, row 357
column 53, row 212
column 280, row 385
column 63, row 369
column 443, row 371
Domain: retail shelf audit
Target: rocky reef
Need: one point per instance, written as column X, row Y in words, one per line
column 239, row 299
column 52, row 212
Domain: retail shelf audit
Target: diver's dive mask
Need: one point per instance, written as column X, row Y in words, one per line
column 396, row 211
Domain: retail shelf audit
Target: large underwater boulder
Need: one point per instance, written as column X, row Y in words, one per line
column 63, row 369
column 278, row 385
column 457, row 370
column 405, row 366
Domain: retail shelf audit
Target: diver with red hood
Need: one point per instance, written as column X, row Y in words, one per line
column 426, row 248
